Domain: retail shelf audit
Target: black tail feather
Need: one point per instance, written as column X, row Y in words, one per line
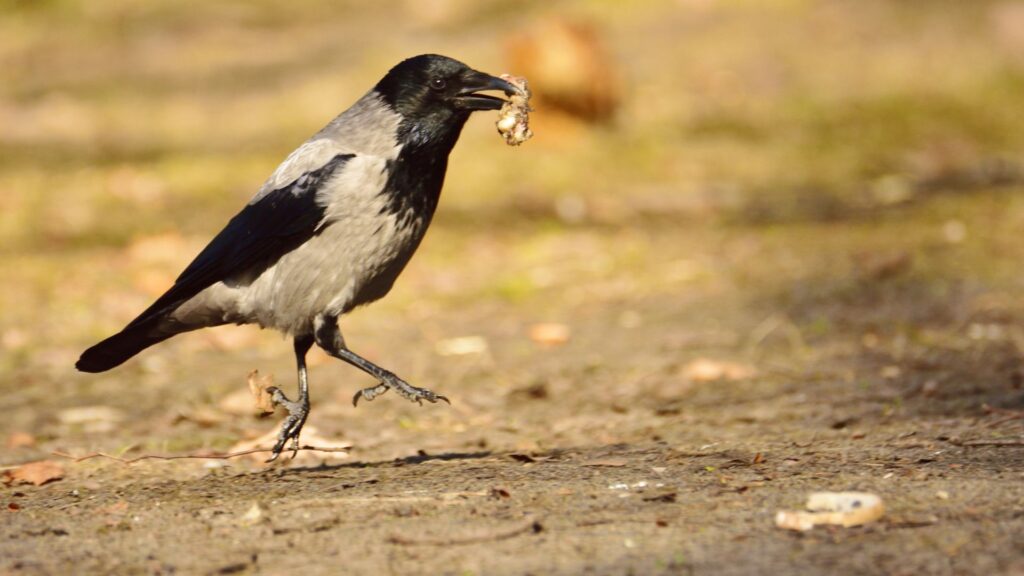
column 115, row 350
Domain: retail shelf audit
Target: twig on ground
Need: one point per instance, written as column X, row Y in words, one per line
column 1004, row 420
column 988, row 409
column 1008, row 415
column 187, row 456
column 992, row 442
column 911, row 522
column 529, row 525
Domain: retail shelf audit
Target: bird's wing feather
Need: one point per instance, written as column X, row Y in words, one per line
column 275, row 222
column 310, row 156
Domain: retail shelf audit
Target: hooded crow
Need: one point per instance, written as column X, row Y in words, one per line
column 330, row 230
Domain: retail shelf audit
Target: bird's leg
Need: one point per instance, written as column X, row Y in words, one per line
column 298, row 410
column 329, row 337
column 388, row 380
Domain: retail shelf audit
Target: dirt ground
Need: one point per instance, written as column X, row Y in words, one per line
column 612, row 453
column 793, row 266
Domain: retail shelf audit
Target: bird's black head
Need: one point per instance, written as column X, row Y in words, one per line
column 435, row 95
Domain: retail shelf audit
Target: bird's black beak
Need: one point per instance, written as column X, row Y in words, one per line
column 474, row 82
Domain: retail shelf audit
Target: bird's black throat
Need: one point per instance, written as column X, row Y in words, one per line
column 416, row 175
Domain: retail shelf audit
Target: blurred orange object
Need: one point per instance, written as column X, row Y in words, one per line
column 20, row 440
column 568, row 67
column 550, row 333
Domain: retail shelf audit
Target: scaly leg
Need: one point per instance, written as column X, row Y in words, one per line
column 298, row 410
column 329, row 337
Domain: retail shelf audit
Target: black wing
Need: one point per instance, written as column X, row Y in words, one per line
column 266, row 229
column 269, row 227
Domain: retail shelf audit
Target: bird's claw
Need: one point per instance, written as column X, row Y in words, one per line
column 418, row 395
column 292, row 427
column 410, row 392
column 369, row 393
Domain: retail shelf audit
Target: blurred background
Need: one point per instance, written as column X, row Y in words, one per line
column 770, row 194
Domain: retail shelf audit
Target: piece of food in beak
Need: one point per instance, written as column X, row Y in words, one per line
column 514, row 118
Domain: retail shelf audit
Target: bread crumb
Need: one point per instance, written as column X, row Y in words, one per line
column 514, row 118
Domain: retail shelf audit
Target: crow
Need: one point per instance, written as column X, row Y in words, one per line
column 330, row 230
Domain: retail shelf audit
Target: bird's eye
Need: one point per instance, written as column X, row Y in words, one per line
column 438, row 83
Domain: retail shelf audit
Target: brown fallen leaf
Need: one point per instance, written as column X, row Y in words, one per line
column 20, row 440
column 93, row 418
column 609, row 463
column 708, row 370
column 35, row 473
column 253, row 516
column 241, row 402
column 258, row 386
column 461, row 346
column 1007, row 27
column 152, row 282
column 166, row 249
column 570, row 65
column 114, row 515
column 550, row 333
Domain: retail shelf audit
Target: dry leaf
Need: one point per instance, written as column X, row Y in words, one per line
column 608, row 462
column 891, row 372
column 570, row 66
column 114, row 514
column 254, row 515
column 152, row 282
column 35, row 473
column 1007, row 21
column 499, row 493
column 550, row 333
column 20, row 440
column 258, row 386
column 93, row 419
column 160, row 249
column 708, row 370
column 461, row 346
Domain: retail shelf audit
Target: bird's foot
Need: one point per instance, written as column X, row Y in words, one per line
column 369, row 393
column 410, row 392
column 297, row 413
